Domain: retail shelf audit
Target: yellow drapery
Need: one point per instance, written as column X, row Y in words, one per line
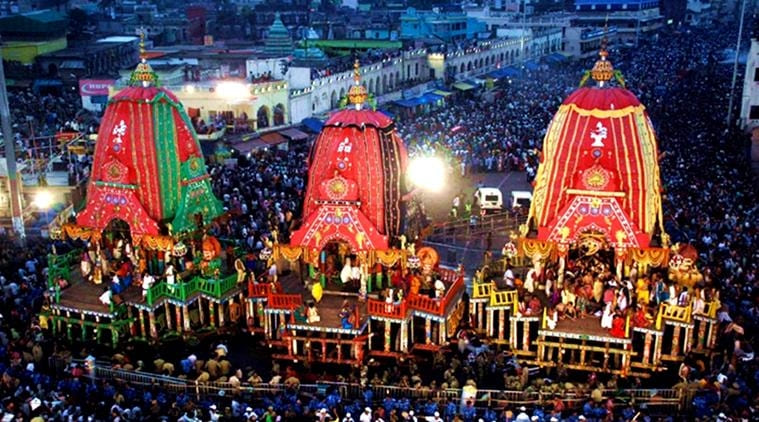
column 534, row 247
column 157, row 242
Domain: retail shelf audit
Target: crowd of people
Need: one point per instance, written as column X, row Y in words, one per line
column 492, row 134
column 37, row 117
column 263, row 195
column 709, row 198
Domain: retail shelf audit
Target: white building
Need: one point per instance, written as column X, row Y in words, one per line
column 749, row 118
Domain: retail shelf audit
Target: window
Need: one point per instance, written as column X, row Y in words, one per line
column 754, row 112
column 756, row 74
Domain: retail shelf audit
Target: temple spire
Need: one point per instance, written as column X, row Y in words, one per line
column 603, row 70
column 143, row 75
column 357, row 94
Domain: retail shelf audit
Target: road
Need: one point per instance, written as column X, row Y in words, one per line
column 469, row 249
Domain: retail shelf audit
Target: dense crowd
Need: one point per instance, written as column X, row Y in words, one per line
column 709, row 196
column 263, row 195
column 37, row 117
column 495, row 133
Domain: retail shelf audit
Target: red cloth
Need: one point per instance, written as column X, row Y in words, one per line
column 618, row 327
column 640, row 320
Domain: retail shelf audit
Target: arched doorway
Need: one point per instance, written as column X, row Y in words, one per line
column 263, row 117
column 333, row 100
column 279, row 115
column 342, row 93
column 337, row 254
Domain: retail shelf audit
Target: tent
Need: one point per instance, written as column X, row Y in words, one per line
column 313, row 124
column 463, row 86
column 294, row 134
column 505, row 72
column 410, row 103
column 430, row 98
column 555, row 58
column 531, row 65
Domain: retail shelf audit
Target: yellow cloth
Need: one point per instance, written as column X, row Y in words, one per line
column 317, row 292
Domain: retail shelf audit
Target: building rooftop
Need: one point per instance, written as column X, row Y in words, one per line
column 41, row 23
column 118, row 39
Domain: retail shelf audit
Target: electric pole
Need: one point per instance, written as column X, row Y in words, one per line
column 14, row 183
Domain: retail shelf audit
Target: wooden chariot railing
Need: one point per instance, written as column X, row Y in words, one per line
column 438, row 307
column 183, row 290
column 673, row 313
column 382, row 309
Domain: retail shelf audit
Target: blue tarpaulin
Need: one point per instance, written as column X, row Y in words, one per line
column 505, row 72
column 531, row 65
column 430, row 97
column 410, row 103
column 313, row 124
column 555, row 58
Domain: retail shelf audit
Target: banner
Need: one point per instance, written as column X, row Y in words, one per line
column 95, row 87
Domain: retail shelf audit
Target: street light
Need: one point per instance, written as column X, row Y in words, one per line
column 231, row 90
column 427, row 173
column 43, row 200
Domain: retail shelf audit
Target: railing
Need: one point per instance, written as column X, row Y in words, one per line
column 183, row 290
column 711, row 308
column 449, row 276
column 180, row 291
column 437, row 306
column 673, row 312
column 657, row 401
column 259, row 290
column 382, row 309
column 59, row 266
column 216, row 287
column 481, row 290
column 504, row 298
column 284, row 301
column 463, row 229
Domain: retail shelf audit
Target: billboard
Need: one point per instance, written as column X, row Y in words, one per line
column 95, row 87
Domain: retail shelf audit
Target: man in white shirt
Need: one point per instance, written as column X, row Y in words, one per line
column 508, row 278
column 366, row 416
column 105, row 297
column 147, row 282
column 522, row 416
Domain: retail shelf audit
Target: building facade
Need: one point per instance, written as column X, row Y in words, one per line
column 448, row 26
column 584, row 42
column 632, row 18
column 749, row 117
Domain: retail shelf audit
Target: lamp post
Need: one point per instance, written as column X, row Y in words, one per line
column 43, row 200
column 10, row 157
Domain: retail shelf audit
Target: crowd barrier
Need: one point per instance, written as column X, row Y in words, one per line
column 656, row 401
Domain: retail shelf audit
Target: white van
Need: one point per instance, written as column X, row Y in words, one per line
column 489, row 199
column 521, row 199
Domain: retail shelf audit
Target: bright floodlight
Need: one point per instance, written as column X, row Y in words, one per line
column 231, row 90
column 43, row 199
column 427, row 173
